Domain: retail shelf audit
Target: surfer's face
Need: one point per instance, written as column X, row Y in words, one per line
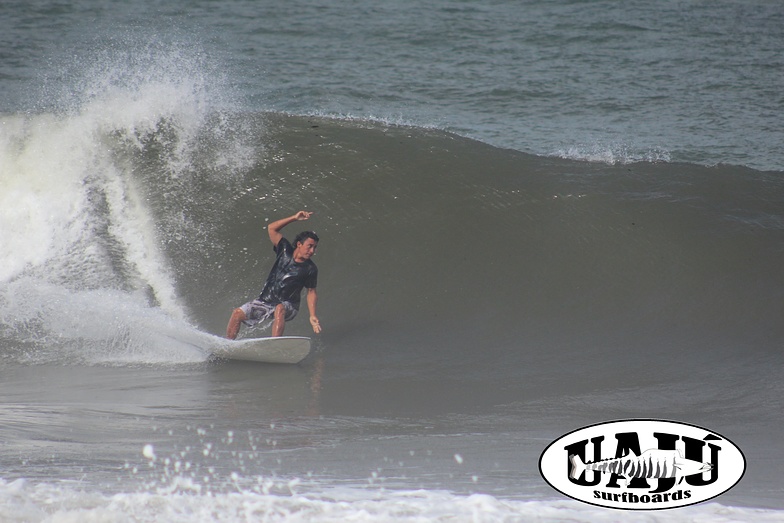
column 305, row 250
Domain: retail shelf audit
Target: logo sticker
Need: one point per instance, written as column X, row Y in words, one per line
column 642, row 464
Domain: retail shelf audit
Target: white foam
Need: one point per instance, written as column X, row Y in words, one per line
column 612, row 153
column 94, row 326
column 41, row 198
column 21, row 500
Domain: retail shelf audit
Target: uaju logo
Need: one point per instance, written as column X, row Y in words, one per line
column 655, row 464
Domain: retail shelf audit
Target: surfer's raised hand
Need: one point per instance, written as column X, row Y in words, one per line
column 274, row 228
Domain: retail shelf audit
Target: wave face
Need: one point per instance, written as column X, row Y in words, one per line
column 432, row 245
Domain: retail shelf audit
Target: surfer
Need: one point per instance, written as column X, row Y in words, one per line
column 293, row 270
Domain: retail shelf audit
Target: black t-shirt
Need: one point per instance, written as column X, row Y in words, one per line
column 287, row 277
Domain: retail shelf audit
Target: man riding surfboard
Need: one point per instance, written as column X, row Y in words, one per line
column 292, row 271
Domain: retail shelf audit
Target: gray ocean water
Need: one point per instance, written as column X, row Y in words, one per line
column 535, row 216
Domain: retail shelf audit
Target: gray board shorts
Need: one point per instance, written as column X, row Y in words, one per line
column 257, row 310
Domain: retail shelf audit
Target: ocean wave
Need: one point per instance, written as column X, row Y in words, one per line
column 174, row 218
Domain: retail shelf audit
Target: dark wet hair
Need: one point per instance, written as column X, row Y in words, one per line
column 304, row 235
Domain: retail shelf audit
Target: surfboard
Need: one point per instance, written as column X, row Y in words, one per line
column 283, row 349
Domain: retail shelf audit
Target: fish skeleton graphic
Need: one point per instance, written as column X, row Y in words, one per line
column 651, row 464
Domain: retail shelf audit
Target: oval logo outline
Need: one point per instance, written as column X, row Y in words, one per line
column 644, row 446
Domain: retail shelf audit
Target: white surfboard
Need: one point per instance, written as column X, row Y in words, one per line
column 283, row 349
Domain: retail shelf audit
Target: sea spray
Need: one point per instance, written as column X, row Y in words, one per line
column 86, row 204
